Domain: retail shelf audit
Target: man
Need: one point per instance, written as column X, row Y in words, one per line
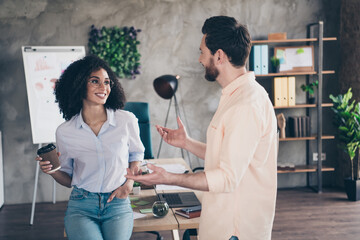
column 240, row 153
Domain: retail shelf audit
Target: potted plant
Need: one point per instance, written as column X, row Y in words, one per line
column 347, row 121
column 118, row 47
column 275, row 63
column 310, row 88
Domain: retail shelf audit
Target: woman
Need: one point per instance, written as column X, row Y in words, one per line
column 96, row 144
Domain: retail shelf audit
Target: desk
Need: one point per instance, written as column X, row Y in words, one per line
column 171, row 221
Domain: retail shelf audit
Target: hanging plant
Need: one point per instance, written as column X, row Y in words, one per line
column 118, row 47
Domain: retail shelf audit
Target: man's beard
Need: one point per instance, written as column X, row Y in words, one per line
column 211, row 72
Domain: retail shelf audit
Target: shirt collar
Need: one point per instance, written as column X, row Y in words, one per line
column 110, row 119
column 238, row 83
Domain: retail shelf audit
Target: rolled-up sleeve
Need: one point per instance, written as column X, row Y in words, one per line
column 136, row 148
column 241, row 130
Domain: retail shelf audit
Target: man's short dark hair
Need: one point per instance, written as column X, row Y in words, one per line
column 227, row 34
column 71, row 88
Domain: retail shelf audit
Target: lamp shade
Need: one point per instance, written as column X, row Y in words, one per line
column 166, row 85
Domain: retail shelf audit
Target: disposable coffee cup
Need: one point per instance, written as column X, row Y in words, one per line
column 48, row 153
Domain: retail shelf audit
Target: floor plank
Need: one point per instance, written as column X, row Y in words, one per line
column 300, row 214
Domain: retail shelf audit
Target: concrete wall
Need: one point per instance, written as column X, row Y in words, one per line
column 170, row 39
column 350, row 67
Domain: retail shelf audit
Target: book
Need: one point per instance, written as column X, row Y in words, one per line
column 293, row 127
column 300, row 127
column 303, row 126
column 308, row 126
column 193, row 214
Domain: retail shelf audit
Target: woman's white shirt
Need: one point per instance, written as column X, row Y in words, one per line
column 98, row 163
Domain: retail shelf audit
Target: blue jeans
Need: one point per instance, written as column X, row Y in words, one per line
column 89, row 216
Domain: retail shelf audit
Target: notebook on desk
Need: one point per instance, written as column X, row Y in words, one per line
column 181, row 199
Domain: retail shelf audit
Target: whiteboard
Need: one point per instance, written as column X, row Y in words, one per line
column 43, row 66
column 295, row 59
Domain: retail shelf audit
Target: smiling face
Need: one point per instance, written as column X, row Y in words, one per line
column 207, row 60
column 98, row 88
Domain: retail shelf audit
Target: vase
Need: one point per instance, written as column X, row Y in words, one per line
column 352, row 188
column 275, row 69
column 311, row 100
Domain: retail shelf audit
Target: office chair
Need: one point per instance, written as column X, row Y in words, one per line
column 141, row 111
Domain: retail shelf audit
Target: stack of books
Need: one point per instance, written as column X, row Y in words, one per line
column 189, row 212
column 300, row 126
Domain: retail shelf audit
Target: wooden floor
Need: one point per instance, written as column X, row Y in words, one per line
column 301, row 214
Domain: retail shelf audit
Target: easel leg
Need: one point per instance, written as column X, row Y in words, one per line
column 54, row 191
column 34, row 194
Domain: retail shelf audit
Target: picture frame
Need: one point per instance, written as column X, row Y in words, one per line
column 295, row 58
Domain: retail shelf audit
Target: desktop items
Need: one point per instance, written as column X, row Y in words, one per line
column 189, row 212
column 180, row 199
column 160, row 209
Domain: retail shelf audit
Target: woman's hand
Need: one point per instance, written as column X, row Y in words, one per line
column 174, row 137
column 122, row 191
column 45, row 166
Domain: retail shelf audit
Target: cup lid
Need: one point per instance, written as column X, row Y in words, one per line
column 46, row 149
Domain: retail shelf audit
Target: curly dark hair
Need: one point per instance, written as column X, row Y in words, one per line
column 226, row 33
column 71, row 88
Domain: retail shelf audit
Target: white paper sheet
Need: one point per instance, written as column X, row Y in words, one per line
column 138, row 215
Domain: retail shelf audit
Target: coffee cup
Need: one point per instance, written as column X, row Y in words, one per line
column 48, row 153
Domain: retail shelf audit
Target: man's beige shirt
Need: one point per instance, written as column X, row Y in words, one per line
column 240, row 165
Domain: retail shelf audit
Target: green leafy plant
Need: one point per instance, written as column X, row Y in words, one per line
column 310, row 88
column 118, row 47
column 136, row 184
column 347, row 120
column 275, row 61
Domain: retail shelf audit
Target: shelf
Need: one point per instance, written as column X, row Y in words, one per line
column 305, row 106
column 304, row 138
column 293, row 73
column 307, row 168
column 293, row 40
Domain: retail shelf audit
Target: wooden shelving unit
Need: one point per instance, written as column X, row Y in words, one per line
column 294, row 73
column 317, row 41
column 305, row 106
column 307, row 169
column 293, row 40
column 305, row 138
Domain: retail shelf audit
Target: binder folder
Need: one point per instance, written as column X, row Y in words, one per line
column 291, row 91
column 264, row 59
column 277, row 91
column 255, row 59
column 284, row 91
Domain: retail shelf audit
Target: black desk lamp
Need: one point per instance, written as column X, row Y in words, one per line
column 166, row 86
